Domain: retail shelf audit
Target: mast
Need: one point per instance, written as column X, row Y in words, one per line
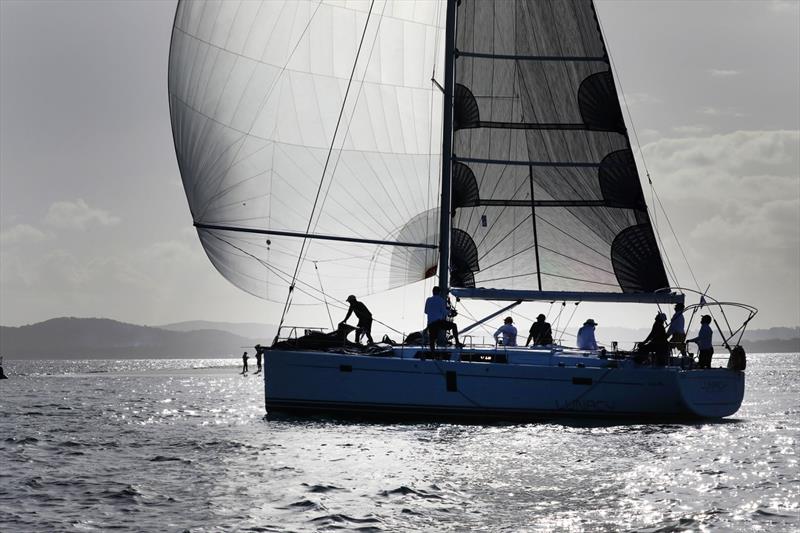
column 445, row 204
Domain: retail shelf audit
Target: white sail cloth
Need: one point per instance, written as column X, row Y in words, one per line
column 257, row 91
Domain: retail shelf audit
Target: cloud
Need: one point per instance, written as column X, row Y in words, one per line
column 77, row 215
column 21, row 234
column 634, row 99
column 784, row 6
column 734, row 200
column 722, row 73
column 692, row 130
column 715, row 112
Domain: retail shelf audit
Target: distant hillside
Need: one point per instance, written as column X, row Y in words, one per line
column 250, row 330
column 97, row 338
column 772, row 346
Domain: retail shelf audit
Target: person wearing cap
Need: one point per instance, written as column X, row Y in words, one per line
column 677, row 330
column 703, row 341
column 509, row 332
column 656, row 342
column 541, row 333
column 437, row 313
column 364, row 326
column 586, row 340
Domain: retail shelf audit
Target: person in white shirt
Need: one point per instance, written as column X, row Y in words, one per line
column 509, row 332
column 586, row 340
column 677, row 330
column 703, row 341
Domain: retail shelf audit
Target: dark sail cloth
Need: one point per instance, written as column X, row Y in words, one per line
column 541, row 333
column 657, row 343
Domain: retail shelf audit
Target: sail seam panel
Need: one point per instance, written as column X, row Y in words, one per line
column 590, row 265
column 297, row 71
column 286, row 143
column 533, row 273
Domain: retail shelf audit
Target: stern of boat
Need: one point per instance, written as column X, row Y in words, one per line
column 713, row 392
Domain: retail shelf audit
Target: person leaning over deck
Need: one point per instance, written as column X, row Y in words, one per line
column 364, row 326
column 541, row 333
column 677, row 330
column 703, row 341
column 436, row 309
column 586, row 340
column 509, row 332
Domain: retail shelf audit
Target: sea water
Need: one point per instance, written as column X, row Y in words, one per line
column 174, row 445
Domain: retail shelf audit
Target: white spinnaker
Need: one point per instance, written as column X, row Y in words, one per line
column 256, row 91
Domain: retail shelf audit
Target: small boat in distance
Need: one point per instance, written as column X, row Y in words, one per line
column 331, row 148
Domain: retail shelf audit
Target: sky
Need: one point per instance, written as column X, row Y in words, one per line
column 94, row 221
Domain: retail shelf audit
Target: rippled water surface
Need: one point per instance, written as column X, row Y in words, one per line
column 154, row 445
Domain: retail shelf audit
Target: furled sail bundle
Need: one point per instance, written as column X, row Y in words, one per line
column 546, row 195
column 313, row 128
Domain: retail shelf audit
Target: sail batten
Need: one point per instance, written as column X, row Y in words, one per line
column 569, row 296
column 517, row 57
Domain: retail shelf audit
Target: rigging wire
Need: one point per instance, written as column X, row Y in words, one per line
column 289, row 296
column 325, row 298
column 569, row 321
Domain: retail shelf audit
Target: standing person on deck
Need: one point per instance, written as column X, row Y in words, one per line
column 586, row 340
column 541, row 333
column 677, row 330
column 259, row 353
column 364, row 317
column 244, row 363
column 509, row 332
column 656, row 341
column 436, row 310
column 703, row 341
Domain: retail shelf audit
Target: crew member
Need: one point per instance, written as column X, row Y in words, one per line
column 364, row 326
column 509, row 332
column 541, row 333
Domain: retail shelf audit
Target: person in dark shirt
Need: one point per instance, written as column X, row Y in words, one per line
column 244, row 363
column 436, row 308
column 259, row 353
column 541, row 333
column 656, row 342
column 364, row 317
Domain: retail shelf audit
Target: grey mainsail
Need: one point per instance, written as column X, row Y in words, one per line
column 546, row 191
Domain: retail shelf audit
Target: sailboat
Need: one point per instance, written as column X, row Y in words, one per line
column 335, row 147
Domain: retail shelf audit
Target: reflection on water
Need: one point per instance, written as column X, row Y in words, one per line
column 183, row 444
